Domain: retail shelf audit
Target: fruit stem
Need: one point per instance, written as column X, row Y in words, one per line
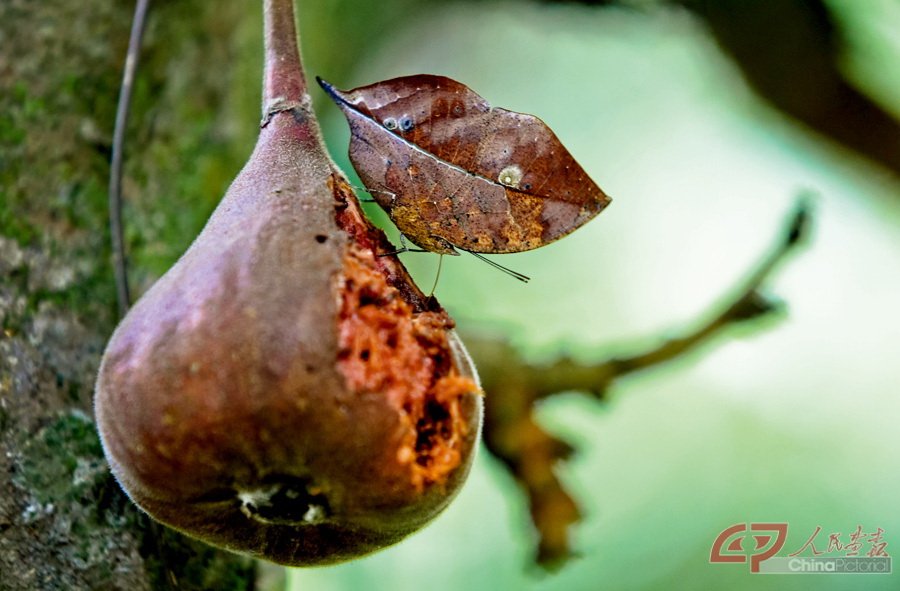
column 284, row 87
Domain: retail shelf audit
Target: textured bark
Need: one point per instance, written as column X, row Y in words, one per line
column 64, row 522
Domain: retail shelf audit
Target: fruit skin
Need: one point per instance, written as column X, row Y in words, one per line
column 221, row 405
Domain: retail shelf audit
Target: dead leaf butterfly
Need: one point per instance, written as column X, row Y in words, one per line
column 452, row 172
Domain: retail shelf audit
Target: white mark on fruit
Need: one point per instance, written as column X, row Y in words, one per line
column 315, row 514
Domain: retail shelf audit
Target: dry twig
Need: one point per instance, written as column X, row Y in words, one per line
column 513, row 386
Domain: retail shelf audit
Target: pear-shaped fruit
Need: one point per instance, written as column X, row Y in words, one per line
column 282, row 391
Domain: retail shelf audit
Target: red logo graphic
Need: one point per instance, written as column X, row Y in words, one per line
column 767, row 545
column 729, row 548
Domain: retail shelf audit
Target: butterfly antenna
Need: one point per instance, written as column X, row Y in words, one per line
column 510, row 272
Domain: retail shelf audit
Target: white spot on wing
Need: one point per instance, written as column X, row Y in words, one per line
column 510, row 176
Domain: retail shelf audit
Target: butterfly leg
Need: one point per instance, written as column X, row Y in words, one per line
column 403, row 248
column 370, row 191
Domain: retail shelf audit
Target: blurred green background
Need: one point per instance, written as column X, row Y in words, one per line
column 792, row 422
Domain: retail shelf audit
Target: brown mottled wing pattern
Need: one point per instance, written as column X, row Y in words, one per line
column 451, row 171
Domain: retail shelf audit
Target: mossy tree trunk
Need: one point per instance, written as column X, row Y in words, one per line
column 64, row 522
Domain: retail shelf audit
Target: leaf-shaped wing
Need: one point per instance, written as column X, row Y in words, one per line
column 452, row 171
